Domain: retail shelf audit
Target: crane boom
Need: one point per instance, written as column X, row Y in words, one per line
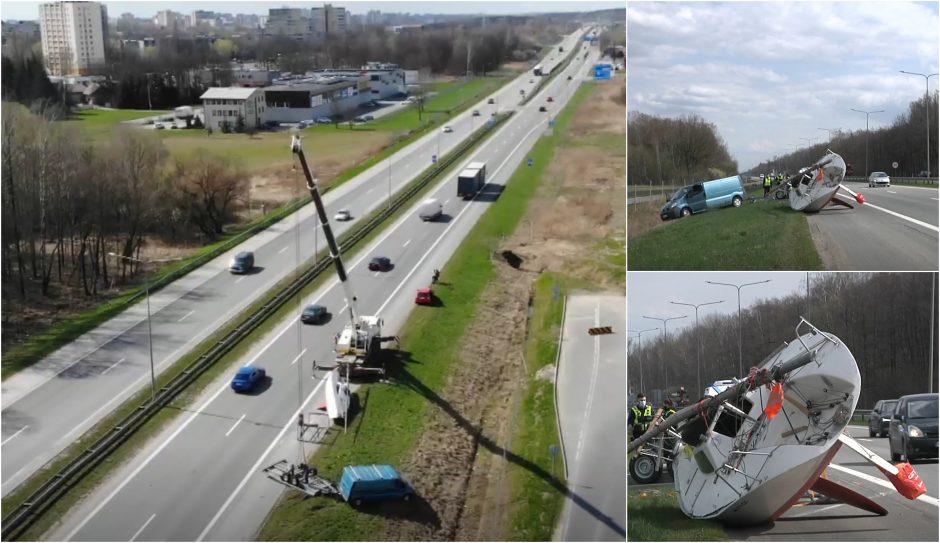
column 314, row 189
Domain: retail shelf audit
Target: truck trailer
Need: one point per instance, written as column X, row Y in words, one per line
column 471, row 180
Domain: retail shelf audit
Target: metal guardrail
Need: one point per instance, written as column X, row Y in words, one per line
column 560, row 67
column 906, row 180
column 39, row 501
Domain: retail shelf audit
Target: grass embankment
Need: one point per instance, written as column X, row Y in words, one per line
column 184, row 400
column 655, row 516
column 759, row 236
column 393, row 415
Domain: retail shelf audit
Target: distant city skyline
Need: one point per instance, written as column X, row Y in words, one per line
column 146, row 9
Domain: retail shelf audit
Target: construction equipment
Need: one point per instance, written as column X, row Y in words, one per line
column 362, row 337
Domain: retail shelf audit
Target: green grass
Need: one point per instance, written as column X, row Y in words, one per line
column 760, row 236
column 654, row 515
column 110, row 117
column 453, row 97
column 392, row 421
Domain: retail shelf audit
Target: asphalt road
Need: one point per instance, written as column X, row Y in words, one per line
column 896, row 230
column 906, row 520
column 200, row 478
column 591, row 377
column 47, row 409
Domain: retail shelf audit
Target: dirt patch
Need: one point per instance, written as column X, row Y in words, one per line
column 520, row 66
column 643, row 217
column 460, row 464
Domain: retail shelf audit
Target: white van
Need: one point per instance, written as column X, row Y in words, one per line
column 430, row 210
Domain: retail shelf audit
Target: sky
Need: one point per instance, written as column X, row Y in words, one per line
column 29, row 10
column 649, row 293
column 769, row 73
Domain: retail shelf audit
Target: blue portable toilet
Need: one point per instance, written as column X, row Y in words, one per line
column 603, row 71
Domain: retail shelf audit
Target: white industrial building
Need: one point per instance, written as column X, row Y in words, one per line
column 73, row 36
column 227, row 104
column 305, row 101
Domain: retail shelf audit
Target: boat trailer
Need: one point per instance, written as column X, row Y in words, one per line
column 301, row 477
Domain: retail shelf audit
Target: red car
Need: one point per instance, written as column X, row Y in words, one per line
column 424, row 296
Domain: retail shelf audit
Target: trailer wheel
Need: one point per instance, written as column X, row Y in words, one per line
column 643, row 470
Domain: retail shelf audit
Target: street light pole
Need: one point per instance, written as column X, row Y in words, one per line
column 926, row 109
column 830, row 131
column 698, row 339
column 639, row 334
column 739, row 287
column 867, row 114
column 665, row 324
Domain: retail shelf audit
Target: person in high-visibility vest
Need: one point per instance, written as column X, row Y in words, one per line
column 641, row 415
column 767, row 182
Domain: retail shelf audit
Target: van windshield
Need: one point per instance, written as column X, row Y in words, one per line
column 679, row 193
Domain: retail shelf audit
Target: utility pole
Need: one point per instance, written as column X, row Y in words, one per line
column 639, row 334
column 698, row 339
column 739, row 287
column 927, row 112
column 867, row 115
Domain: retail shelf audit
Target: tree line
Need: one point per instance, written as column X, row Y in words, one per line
column 69, row 202
column 904, row 142
column 883, row 318
column 675, row 151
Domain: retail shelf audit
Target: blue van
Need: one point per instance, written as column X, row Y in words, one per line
column 376, row 482
column 704, row 196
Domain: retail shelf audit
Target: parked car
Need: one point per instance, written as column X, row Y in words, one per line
column 243, row 262
column 313, row 314
column 913, row 430
column 324, row 120
column 424, row 296
column 368, row 117
column 359, row 484
column 880, row 417
column 923, row 173
column 703, row 196
column 476, row 112
column 877, row 179
column 342, row 215
column 531, row 81
column 491, row 101
column 302, row 124
column 550, row 99
column 447, row 129
column 380, row 263
column 359, row 119
column 542, row 108
column 247, row 378
column 158, row 126
column 272, row 124
column 569, row 78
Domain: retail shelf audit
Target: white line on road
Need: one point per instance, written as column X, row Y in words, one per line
column 898, row 215
column 294, row 361
column 446, row 201
column 344, row 308
column 376, row 274
column 370, row 190
column 186, row 315
column 933, row 198
column 286, row 247
column 236, row 424
column 112, row 366
column 865, row 477
column 5, row 441
column 406, row 243
column 891, row 192
column 142, row 527
column 239, row 280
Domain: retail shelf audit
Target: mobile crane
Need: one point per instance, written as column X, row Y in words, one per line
column 361, row 337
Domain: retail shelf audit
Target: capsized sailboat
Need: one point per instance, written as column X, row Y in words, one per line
column 816, row 186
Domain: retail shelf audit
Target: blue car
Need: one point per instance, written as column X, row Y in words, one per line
column 247, row 378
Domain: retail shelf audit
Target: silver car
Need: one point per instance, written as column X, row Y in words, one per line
column 879, row 179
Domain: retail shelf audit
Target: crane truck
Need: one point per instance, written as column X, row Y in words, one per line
column 361, row 338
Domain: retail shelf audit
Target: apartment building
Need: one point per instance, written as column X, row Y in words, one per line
column 73, row 36
column 293, row 22
column 329, row 20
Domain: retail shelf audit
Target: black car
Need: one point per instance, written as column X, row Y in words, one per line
column 313, row 314
column 880, row 418
column 542, row 108
column 490, row 101
column 243, row 262
column 380, row 263
column 913, row 430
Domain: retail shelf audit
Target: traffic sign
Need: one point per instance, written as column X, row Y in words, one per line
column 894, row 165
column 433, row 159
column 531, row 162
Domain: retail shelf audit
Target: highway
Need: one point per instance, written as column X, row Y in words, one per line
column 47, row 407
column 895, row 231
column 200, row 478
column 591, row 376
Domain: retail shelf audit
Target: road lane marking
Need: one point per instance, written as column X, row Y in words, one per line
column 933, row 198
column 234, row 425
column 18, row 432
column 291, row 422
column 142, row 527
column 294, row 361
column 239, row 280
column 186, row 315
column 446, row 201
column 376, row 274
column 865, row 477
column 898, row 215
column 891, row 192
column 406, row 243
column 112, row 366
column 286, row 247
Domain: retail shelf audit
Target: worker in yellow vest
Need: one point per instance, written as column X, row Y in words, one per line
column 641, row 415
column 768, row 180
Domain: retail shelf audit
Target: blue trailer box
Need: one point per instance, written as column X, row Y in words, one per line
column 375, row 482
column 603, row 71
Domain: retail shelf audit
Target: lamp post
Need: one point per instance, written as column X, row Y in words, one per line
column 926, row 109
column 665, row 324
column 867, row 115
column 739, row 287
column 830, row 131
column 639, row 334
column 698, row 339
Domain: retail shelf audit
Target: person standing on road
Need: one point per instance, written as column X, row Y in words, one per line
column 641, row 415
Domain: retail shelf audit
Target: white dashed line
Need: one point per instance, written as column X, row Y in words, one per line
column 18, row 432
column 111, row 367
column 446, row 201
column 239, row 280
column 294, row 361
column 286, row 247
column 406, row 243
column 142, row 527
column 186, row 315
column 891, row 192
column 234, row 425
column 898, row 215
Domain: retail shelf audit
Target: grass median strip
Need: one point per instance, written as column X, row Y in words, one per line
column 156, row 423
column 655, row 516
column 759, row 236
column 393, row 419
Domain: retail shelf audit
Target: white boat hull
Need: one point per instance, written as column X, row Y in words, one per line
column 819, row 185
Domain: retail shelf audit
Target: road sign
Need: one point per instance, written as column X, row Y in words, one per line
column 551, row 122
column 433, row 159
column 530, row 162
column 894, row 165
column 600, row 330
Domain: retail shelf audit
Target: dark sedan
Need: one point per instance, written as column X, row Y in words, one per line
column 913, row 430
column 880, row 418
column 380, row 263
column 313, row 314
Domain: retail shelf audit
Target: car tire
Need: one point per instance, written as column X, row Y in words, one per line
column 685, row 212
column 883, row 434
column 894, row 456
column 737, row 201
column 871, row 433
